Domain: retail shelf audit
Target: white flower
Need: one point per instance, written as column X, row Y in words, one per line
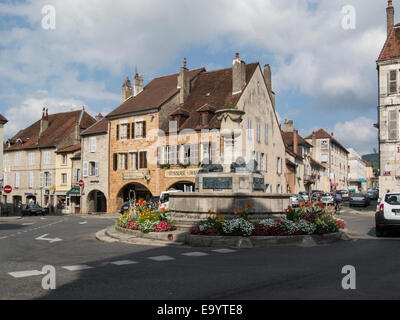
column 238, row 225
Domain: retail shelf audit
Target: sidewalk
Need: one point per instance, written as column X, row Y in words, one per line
column 11, row 218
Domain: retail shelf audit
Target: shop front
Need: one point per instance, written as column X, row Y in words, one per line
column 73, row 199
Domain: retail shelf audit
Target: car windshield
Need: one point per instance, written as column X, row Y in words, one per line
column 393, row 199
column 358, row 195
column 327, row 195
column 164, row 198
column 343, row 191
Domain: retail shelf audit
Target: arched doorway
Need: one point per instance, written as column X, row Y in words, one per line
column 185, row 186
column 140, row 191
column 97, row 202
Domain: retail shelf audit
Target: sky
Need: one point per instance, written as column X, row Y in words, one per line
column 323, row 57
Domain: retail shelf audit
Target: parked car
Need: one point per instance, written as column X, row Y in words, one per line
column 373, row 194
column 316, row 196
column 305, row 196
column 124, row 207
column 359, row 199
column 345, row 194
column 387, row 215
column 33, row 210
column 328, row 198
column 164, row 198
column 153, row 202
column 296, row 199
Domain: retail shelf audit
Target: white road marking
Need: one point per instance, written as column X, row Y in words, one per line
column 28, row 223
column 23, row 274
column 83, row 222
column 224, row 250
column 42, row 218
column 42, row 237
column 195, row 254
column 3, row 237
column 123, row 262
column 78, row 267
column 161, row 258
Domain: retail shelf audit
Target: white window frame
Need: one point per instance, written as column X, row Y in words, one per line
column 266, row 133
column 139, row 130
column 122, row 161
column 31, row 178
column 258, row 131
column 249, row 129
column 17, row 159
column 64, row 159
column 85, row 171
column 17, row 180
column 92, row 144
column 64, row 182
column 31, row 158
column 47, row 157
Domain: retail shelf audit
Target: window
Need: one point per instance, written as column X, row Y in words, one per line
column 186, row 153
column 5, row 160
column 278, row 188
column 92, row 168
column 140, row 130
column 123, row 131
column 392, row 82
column 324, row 158
column 77, row 175
column 205, row 152
column 134, row 164
column 5, row 179
column 393, row 124
column 92, row 144
column 249, row 129
column 17, row 159
column 262, row 162
column 204, row 118
column 279, row 165
column 63, row 178
column 165, row 155
column 266, row 134
column 143, row 160
column 258, row 131
column 17, row 179
column 122, row 161
column 47, row 179
column 31, row 158
column 30, row 180
column 64, row 159
column 47, row 157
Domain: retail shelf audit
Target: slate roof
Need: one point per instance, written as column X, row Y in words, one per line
column 60, row 125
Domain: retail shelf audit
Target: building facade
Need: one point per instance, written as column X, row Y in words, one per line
column 333, row 156
column 357, row 172
column 30, row 158
column 163, row 133
column 388, row 66
column 3, row 121
column 95, row 164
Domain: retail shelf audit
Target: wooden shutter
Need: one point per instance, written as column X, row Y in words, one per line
column 85, row 169
column 126, row 161
column 393, row 124
column 128, row 131
column 41, row 179
column 392, row 81
column 115, row 161
column 133, row 131
column 96, row 169
column 144, row 129
column 137, row 160
column 145, row 159
column 117, row 131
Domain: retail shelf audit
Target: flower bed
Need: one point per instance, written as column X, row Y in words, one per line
column 145, row 219
column 307, row 220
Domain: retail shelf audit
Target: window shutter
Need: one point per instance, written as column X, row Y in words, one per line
column 85, row 169
column 41, row 179
column 393, row 124
column 145, row 159
column 159, row 155
column 115, row 161
column 213, row 152
column 128, row 131
column 117, row 131
column 392, row 81
column 137, row 160
column 133, row 130
column 96, row 169
column 50, row 180
column 194, row 154
column 126, row 161
column 144, row 129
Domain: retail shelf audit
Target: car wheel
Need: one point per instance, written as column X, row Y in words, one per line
column 379, row 232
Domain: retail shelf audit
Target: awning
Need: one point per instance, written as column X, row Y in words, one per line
column 74, row 192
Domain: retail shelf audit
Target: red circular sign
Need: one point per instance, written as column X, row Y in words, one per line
column 81, row 183
column 7, row 189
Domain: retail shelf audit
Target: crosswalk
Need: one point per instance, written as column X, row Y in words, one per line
column 156, row 259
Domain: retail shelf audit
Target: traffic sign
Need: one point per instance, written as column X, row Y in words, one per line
column 7, row 189
column 81, row 183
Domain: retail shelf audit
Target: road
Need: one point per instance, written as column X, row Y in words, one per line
column 89, row 269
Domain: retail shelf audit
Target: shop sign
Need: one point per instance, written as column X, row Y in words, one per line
column 181, row 173
column 132, row 175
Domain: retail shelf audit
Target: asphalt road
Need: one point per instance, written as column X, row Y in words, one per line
column 89, row 269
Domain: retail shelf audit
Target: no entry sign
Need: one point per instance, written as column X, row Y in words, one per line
column 7, row 189
column 81, row 183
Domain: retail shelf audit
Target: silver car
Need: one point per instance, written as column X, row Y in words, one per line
column 328, row 198
column 305, row 196
column 359, row 199
column 296, row 199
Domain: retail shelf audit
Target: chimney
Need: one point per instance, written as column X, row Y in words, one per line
column 183, row 83
column 99, row 117
column 288, row 126
column 390, row 17
column 238, row 75
column 314, row 144
column 268, row 81
column 295, row 141
column 137, row 85
column 44, row 122
column 127, row 91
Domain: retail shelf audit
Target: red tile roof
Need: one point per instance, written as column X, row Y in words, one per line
column 288, row 139
column 322, row 134
column 215, row 89
column 156, row 93
column 60, row 125
column 100, row 126
column 391, row 48
column 3, row 119
column 70, row 149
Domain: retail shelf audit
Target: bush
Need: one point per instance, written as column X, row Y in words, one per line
column 238, row 227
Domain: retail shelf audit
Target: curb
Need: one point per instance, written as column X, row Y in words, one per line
column 6, row 219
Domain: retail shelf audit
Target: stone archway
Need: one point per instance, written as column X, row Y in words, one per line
column 97, row 201
column 126, row 192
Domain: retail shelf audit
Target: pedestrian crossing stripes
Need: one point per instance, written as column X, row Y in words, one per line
column 161, row 258
column 78, row 267
column 195, row 254
column 24, row 274
column 123, row 262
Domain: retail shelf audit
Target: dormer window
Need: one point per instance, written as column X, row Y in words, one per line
column 204, row 118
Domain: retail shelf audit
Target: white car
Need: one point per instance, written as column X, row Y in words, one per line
column 305, row 196
column 164, row 198
column 387, row 214
column 295, row 200
column 328, row 198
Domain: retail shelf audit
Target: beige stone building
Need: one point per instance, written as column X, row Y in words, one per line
column 333, row 156
column 164, row 132
column 3, row 121
column 30, row 157
column 388, row 66
column 95, row 164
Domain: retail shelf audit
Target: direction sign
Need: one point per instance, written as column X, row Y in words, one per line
column 7, row 189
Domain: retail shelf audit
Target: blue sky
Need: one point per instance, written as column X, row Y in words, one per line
column 323, row 75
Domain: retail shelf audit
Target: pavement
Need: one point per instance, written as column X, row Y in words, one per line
column 90, row 269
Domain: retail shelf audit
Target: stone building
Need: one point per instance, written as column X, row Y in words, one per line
column 333, row 156
column 3, row 121
column 164, row 132
column 357, row 172
column 95, row 163
column 30, row 157
column 388, row 66
column 304, row 174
